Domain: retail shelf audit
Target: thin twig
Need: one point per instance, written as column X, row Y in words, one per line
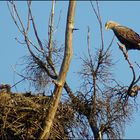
column 88, row 43
column 51, row 26
column 109, row 46
column 28, row 21
column 13, row 17
column 22, row 43
column 97, row 13
column 34, row 27
column 21, row 23
column 59, row 18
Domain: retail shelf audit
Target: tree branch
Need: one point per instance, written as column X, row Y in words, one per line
column 51, row 26
column 63, row 72
column 131, row 88
column 34, row 27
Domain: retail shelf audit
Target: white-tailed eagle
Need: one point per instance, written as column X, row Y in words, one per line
column 129, row 38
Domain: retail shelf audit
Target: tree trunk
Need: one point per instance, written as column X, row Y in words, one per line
column 59, row 83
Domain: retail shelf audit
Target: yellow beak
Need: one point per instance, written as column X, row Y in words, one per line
column 106, row 27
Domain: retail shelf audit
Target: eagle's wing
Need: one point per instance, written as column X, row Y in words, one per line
column 127, row 34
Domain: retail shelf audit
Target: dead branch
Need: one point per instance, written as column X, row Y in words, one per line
column 63, row 71
column 58, row 21
column 34, row 27
column 98, row 16
column 88, row 43
column 12, row 13
column 95, row 72
column 28, row 42
column 132, row 90
column 51, row 28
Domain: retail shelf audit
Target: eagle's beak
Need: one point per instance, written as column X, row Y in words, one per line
column 106, row 27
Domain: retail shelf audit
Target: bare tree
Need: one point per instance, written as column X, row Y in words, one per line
column 101, row 99
column 59, row 82
column 101, row 104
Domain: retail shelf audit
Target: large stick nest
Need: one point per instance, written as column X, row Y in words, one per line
column 22, row 116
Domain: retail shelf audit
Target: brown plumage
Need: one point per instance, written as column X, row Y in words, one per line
column 125, row 35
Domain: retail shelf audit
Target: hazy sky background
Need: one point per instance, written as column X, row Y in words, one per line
column 126, row 13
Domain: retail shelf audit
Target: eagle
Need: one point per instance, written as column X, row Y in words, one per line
column 129, row 38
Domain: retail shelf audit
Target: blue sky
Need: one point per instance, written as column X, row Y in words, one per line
column 126, row 13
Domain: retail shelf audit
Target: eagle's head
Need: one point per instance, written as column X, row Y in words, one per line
column 111, row 24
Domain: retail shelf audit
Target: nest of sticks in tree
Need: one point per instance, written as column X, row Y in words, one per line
column 22, row 115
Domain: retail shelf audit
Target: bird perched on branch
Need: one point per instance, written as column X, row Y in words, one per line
column 129, row 38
